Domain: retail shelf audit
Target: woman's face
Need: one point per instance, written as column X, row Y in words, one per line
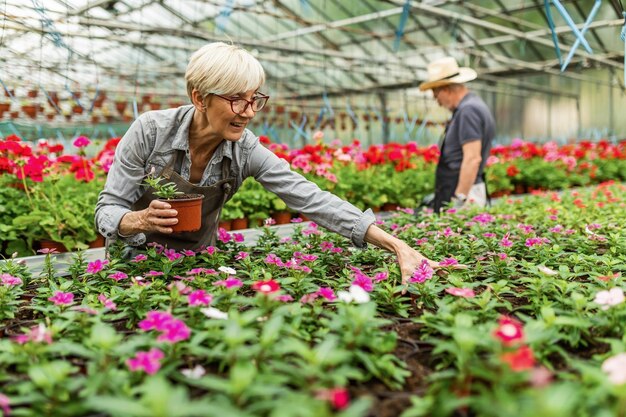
column 224, row 121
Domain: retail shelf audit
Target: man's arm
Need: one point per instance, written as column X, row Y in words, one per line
column 469, row 166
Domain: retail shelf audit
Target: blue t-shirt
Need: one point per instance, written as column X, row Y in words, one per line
column 472, row 120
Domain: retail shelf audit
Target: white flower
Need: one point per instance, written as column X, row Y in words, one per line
column 195, row 373
column 214, row 313
column 615, row 366
column 547, row 270
column 612, row 297
column 356, row 294
column 227, row 270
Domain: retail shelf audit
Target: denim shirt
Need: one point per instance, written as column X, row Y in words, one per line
column 156, row 137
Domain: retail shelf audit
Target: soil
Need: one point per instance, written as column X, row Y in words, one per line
column 415, row 353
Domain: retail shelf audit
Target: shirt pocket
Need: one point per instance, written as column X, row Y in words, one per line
column 159, row 160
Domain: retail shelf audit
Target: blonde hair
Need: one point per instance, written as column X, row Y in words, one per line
column 219, row 68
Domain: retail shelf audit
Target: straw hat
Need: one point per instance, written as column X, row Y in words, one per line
column 446, row 71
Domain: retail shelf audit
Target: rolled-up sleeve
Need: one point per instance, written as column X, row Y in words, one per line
column 122, row 188
column 303, row 196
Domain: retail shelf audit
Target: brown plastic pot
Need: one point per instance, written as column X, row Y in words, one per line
column 238, row 224
column 189, row 213
column 282, row 217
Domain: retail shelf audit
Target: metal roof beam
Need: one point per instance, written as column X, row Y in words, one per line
column 513, row 34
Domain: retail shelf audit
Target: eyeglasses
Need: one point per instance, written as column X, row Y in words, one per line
column 240, row 105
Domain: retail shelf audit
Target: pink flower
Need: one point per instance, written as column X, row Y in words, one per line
column 230, row 282
column 223, row 236
column 117, row 276
column 506, row 242
column 449, row 262
column 155, row 320
column 363, row 281
column 4, row 405
column 509, row 331
column 107, row 303
column 174, row 331
column 520, row 360
column 81, row 142
column 61, row 298
column 37, row 334
column 154, row 274
column 199, row 298
column 609, row 298
column 96, row 266
column 48, row 251
column 615, row 367
column 139, row 258
column 205, row 271
column 536, row 241
column 266, row 287
column 461, row 292
column 285, row 298
column 10, row 280
column 146, row 361
column 339, row 398
column 238, row 237
column 241, row 255
column 309, row 298
column 180, row 286
column 422, row 273
column 172, row 255
column 381, row 276
column 327, row 293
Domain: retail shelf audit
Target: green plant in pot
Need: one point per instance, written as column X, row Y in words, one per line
column 188, row 206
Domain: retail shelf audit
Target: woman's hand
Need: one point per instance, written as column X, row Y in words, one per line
column 408, row 258
column 157, row 217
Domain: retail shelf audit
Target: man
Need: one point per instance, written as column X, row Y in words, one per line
column 467, row 138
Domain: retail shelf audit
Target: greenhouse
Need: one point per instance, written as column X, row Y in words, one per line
column 310, row 208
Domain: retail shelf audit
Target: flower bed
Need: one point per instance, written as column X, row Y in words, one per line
column 41, row 189
column 306, row 326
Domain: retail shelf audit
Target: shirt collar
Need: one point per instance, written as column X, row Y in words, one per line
column 181, row 140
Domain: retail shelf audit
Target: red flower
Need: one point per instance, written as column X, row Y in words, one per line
column 512, row 171
column 520, row 360
column 266, row 287
column 339, row 398
column 264, row 140
column 509, row 331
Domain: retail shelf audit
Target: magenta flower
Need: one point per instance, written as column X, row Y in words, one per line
column 10, row 280
column 285, row 298
column 241, row 255
column 422, row 273
column 96, row 266
column 238, row 237
column 536, row 241
column 269, row 221
column 199, row 298
column 172, row 255
column 210, row 250
column 230, row 282
column 198, row 271
column 505, row 242
column 175, row 330
column 139, row 258
column 154, row 273
column 489, row 234
column 107, row 302
column 4, row 405
column 308, row 258
column 61, row 298
column 117, row 276
column 363, row 281
column 461, row 292
column 180, row 286
column 296, row 220
column 449, row 262
column 188, row 252
column 326, row 246
column 81, row 142
column 484, row 218
column 422, row 241
column 155, row 320
column 381, row 276
column 223, row 236
column 327, row 293
column 146, row 361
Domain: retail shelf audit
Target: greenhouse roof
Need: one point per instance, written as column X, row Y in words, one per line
column 309, row 48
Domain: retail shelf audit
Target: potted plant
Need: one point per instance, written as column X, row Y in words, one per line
column 189, row 206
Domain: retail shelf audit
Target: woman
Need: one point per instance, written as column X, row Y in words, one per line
column 206, row 149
